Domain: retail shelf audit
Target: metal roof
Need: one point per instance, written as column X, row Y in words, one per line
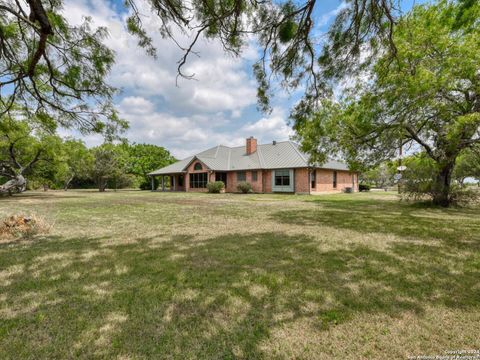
column 173, row 168
column 284, row 154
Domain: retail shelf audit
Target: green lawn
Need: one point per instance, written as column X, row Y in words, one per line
column 134, row 275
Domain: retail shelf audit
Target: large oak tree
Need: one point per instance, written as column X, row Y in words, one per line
column 426, row 98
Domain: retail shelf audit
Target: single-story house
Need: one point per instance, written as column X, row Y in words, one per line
column 269, row 168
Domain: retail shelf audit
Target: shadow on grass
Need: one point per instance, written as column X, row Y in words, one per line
column 390, row 217
column 218, row 298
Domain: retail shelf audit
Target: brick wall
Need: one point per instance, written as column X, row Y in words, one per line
column 267, row 180
column 251, row 145
column 191, row 170
column 256, row 185
column 324, row 180
column 302, row 181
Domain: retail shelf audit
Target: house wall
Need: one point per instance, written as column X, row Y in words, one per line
column 191, row 170
column 302, row 181
column 256, row 185
column 324, row 180
column 267, row 181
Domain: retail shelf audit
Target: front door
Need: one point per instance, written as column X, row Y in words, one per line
column 221, row 176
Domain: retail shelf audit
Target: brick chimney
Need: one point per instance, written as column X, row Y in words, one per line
column 251, row 145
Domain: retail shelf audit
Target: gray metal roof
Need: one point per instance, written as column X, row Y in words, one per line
column 284, row 154
column 177, row 167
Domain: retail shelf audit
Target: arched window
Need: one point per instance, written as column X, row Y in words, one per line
column 198, row 166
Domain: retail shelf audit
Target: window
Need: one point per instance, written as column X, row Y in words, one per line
column 198, row 180
column 221, row 176
column 180, row 180
column 254, row 176
column 241, row 176
column 334, row 179
column 313, row 178
column 198, row 166
column 282, row 178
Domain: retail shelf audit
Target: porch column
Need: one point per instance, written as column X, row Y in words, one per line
column 174, row 182
column 152, row 181
column 163, row 183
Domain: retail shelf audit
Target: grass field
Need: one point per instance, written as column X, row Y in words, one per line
column 134, row 275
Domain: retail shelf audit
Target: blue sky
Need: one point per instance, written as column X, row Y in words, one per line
column 218, row 107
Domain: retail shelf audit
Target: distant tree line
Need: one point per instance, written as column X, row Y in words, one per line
column 33, row 157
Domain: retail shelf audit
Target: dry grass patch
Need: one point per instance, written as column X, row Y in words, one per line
column 23, row 227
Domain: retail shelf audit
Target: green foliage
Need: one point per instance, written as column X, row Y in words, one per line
column 53, row 72
column 145, row 158
column 468, row 165
column 215, row 187
column 418, row 180
column 110, row 166
column 47, row 160
column 422, row 95
column 287, row 31
column 77, row 163
column 381, row 176
column 363, row 187
column 244, row 187
column 51, row 66
column 28, row 151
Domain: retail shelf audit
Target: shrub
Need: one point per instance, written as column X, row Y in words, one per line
column 244, row 187
column 215, row 187
column 462, row 196
column 364, row 187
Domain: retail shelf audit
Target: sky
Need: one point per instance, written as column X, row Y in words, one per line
column 217, row 107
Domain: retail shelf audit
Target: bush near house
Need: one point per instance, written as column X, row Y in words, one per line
column 244, row 187
column 364, row 187
column 215, row 187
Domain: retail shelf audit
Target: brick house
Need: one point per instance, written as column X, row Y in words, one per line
column 276, row 167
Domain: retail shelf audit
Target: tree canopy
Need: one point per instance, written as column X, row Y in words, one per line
column 426, row 98
column 23, row 149
column 58, row 70
column 145, row 158
column 52, row 71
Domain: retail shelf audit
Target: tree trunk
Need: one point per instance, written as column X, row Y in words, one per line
column 16, row 185
column 102, row 185
column 67, row 182
column 442, row 185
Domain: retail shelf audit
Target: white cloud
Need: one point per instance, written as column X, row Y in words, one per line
column 272, row 127
column 221, row 82
column 197, row 114
column 136, row 105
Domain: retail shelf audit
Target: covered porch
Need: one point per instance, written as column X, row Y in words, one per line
column 168, row 182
